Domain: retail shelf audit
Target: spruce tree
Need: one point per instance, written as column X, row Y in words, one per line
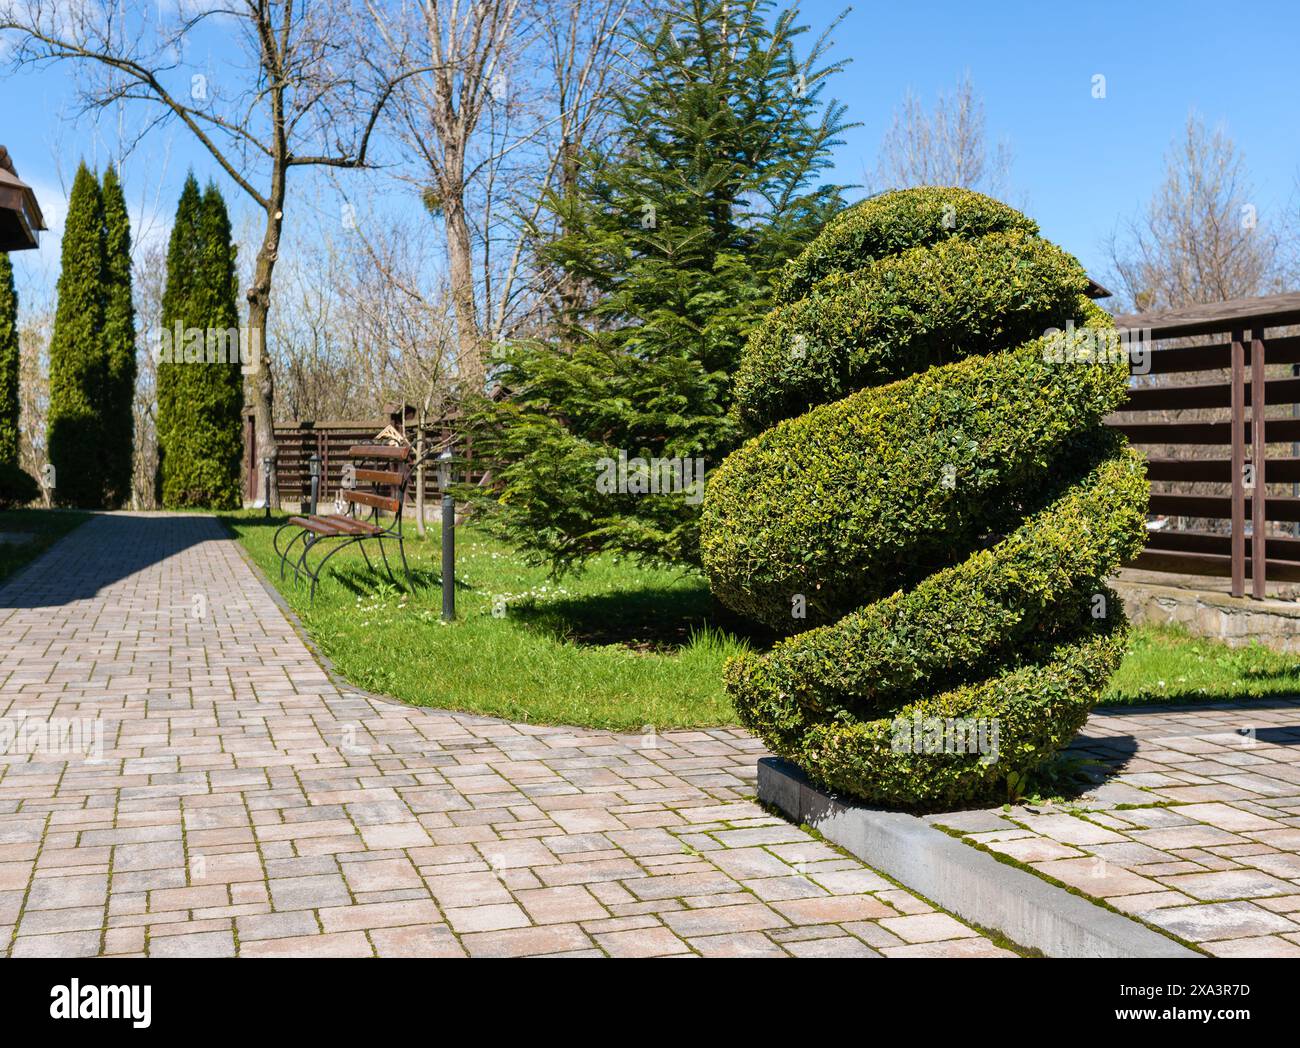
column 78, row 359
column 9, row 363
column 117, row 413
column 676, row 229
column 200, row 383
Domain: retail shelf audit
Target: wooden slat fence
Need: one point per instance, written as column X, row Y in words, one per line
column 298, row 440
column 1223, row 486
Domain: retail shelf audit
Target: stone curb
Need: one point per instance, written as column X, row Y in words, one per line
column 961, row 879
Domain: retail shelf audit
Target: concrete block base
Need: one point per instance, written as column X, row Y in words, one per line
column 959, row 878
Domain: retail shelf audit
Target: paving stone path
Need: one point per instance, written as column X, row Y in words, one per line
column 245, row 804
column 1198, row 833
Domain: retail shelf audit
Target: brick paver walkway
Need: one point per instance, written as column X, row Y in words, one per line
column 246, row 805
column 1198, row 834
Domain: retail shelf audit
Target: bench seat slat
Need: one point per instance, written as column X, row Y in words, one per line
column 355, row 527
column 317, row 525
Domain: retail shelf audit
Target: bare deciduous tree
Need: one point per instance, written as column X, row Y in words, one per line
column 1201, row 237
column 513, row 90
column 149, row 277
column 34, row 384
column 307, row 95
column 945, row 147
column 468, row 51
column 580, row 47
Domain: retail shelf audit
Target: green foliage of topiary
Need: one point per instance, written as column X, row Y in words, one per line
column 891, row 223
column 901, row 315
column 78, row 364
column 118, row 413
column 946, row 527
column 200, row 388
column 9, row 363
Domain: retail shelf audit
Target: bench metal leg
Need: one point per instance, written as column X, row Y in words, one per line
column 275, row 544
column 315, row 577
column 302, row 567
column 284, row 557
column 401, row 548
column 384, row 554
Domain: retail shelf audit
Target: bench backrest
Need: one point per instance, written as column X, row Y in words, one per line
column 385, row 470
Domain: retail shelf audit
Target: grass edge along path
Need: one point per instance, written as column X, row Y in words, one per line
column 620, row 647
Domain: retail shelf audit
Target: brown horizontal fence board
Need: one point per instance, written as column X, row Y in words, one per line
column 1277, row 431
column 1217, row 470
column 1220, row 506
column 1191, row 541
column 1217, row 318
column 1174, row 359
column 332, row 441
column 388, row 452
column 1209, row 564
column 1208, row 395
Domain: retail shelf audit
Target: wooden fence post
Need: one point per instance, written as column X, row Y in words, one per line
column 1258, row 455
column 1238, row 522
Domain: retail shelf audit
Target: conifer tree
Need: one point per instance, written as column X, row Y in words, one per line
column 200, row 383
column 119, row 338
column 676, row 230
column 78, row 358
column 9, row 363
column 171, row 373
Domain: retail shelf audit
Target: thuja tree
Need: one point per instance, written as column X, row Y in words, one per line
column 117, row 414
column 931, row 503
column 9, row 363
column 16, row 487
column 78, row 359
column 199, row 375
column 674, row 228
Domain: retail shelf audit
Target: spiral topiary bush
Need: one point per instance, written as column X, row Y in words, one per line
column 931, row 504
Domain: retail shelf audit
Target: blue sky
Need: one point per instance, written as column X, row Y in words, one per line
column 1080, row 165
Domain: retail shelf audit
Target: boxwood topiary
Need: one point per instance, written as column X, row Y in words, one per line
column 933, row 503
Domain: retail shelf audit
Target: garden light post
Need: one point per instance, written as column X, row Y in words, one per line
column 267, row 463
column 314, row 467
column 448, row 538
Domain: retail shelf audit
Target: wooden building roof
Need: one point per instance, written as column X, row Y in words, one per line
column 20, row 215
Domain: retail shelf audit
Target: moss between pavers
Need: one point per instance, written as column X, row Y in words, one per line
column 1008, row 860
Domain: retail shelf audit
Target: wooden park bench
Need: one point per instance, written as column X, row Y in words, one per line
column 374, row 482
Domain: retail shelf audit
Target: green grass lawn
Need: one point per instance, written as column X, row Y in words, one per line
column 618, row 646
column 1171, row 665
column 44, row 526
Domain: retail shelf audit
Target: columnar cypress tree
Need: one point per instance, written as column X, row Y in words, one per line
column 676, row 229
column 117, row 414
column 220, row 399
column 9, row 361
column 172, row 374
column 78, row 362
column 200, row 385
